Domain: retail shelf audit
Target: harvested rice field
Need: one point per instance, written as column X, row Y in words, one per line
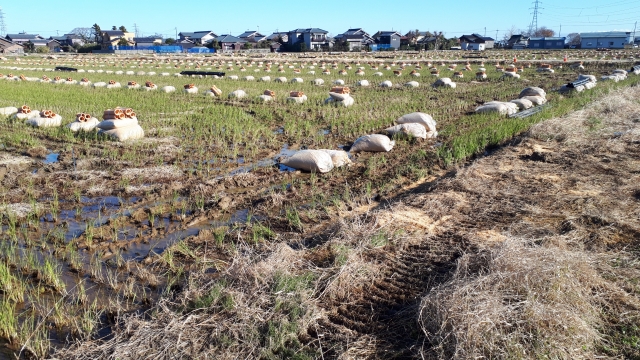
column 497, row 235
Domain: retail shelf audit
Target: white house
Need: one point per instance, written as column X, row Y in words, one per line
column 605, row 39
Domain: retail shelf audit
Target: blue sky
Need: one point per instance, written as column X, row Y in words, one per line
column 454, row 18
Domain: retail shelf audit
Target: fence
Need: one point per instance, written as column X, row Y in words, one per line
column 378, row 47
column 201, row 50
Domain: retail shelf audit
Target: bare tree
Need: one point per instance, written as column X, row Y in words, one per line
column 573, row 39
column 85, row 33
column 509, row 33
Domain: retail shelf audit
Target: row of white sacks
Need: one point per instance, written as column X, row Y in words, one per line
column 590, row 84
column 528, row 98
column 419, row 125
column 121, row 130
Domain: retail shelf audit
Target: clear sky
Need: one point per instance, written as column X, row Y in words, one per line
column 454, row 18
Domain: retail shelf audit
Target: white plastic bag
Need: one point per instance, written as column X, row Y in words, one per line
column 373, row 143
column 45, row 122
column 339, row 157
column 117, row 124
column 536, row 100
column 532, row 91
column 125, row 133
column 413, row 129
column 523, row 104
column 419, row 118
column 87, row 125
column 310, row 160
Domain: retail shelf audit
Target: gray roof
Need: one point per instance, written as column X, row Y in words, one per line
column 58, row 38
column 309, row 30
column 547, row 39
column 226, row 38
column 250, row 33
column 388, row 33
column 275, row 35
column 606, row 34
column 197, row 34
column 146, row 39
column 23, row 36
column 42, row 42
column 114, row 32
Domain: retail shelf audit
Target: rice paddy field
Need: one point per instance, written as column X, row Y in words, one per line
column 94, row 231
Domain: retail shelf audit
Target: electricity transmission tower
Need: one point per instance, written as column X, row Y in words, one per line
column 534, row 22
column 135, row 29
column 3, row 26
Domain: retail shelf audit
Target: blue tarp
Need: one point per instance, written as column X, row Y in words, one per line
column 157, row 49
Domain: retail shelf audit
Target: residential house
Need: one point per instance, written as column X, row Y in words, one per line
column 230, row 43
column 387, row 39
column 355, row 38
column 8, row 47
column 198, row 37
column 113, row 37
column 186, row 44
column 546, row 42
column 147, row 41
column 607, row 39
column 62, row 40
column 74, row 39
column 427, row 42
column 476, row 42
column 51, row 44
column 278, row 35
column 22, row 38
column 313, row 38
column 518, row 42
column 252, row 36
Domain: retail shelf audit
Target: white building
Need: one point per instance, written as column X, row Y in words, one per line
column 605, row 39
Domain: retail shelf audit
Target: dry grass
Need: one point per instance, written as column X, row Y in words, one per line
column 523, row 301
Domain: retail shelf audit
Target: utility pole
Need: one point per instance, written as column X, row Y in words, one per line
column 534, row 22
column 496, row 39
column 485, row 31
column 176, row 34
column 3, row 26
column 560, row 32
column 633, row 41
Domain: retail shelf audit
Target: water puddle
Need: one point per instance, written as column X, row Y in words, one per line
column 51, row 158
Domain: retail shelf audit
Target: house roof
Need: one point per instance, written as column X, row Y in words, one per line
column 547, row 39
column 23, row 36
column 112, row 33
column 42, row 42
column 4, row 43
column 516, row 38
column 250, row 33
column 226, row 38
column 475, row 38
column 197, row 34
column 58, row 38
column 427, row 39
column 606, row 34
column 146, row 39
column 275, row 35
column 72, row 36
column 309, row 30
column 387, row 33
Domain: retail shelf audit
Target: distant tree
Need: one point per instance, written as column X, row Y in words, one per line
column 123, row 42
column 248, row 45
column 573, row 39
column 42, row 49
column 29, row 47
column 122, row 28
column 114, row 28
column 302, row 47
column 169, row 41
column 543, row 32
column 96, row 32
column 84, row 33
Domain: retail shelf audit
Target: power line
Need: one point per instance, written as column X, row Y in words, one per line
column 3, row 26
